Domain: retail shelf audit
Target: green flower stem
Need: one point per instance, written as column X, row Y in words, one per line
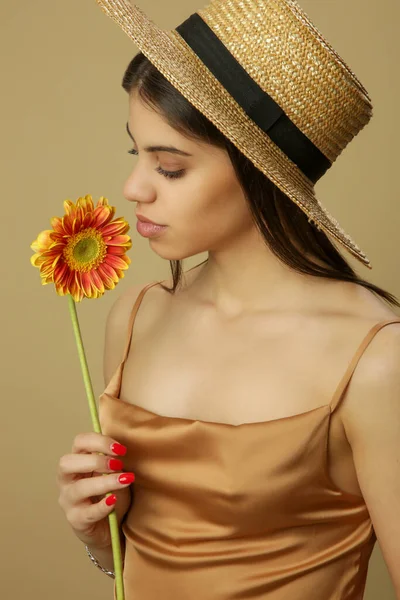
column 112, row 517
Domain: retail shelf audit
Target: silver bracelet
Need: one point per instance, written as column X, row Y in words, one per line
column 96, row 562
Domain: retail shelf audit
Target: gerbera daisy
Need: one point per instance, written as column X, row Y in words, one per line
column 84, row 253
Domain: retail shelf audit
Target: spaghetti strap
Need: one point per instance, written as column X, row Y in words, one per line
column 339, row 393
column 133, row 316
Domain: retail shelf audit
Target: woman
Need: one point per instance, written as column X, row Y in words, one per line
column 254, row 403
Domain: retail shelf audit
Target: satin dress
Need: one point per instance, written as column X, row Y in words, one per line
column 237, row 512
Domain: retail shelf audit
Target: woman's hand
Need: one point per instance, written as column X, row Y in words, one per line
column 82, row 487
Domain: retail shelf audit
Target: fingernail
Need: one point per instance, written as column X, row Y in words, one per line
column 110, row 500
column 115, row 464
column 118, row 449
column 126, row 478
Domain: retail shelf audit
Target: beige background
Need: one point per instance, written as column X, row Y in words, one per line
column 63, row 115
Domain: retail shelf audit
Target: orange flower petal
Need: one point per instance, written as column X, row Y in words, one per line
column 116, row 227
column 67, row 221
column 120, row 240
column 102, row 215
column 74, row 225
column 97, row 281
column 69, row 207
column 43, row 240
column 60, row 272
column 59, row 289
column 59, row 238
column 87, row 220
column 55, row 249
column 86, row 284
column 46, row 269
column 37, row 259
column 109, row 282
column 108, row 272
column 86, row 203
column 116, row 250
column 116, row 262
column 57, row 225
column 73, row 287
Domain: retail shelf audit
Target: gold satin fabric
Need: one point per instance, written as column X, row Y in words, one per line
column 237, row 512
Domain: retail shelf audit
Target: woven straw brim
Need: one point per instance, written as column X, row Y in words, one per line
column 174, row 58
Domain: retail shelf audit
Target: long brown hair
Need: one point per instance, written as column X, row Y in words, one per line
column 284, row 226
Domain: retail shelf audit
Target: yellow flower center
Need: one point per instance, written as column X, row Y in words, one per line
column 85, row 250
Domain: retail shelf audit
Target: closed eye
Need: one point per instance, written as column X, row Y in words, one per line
column 168, row 174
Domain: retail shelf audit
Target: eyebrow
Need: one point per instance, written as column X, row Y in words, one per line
column 171, row 149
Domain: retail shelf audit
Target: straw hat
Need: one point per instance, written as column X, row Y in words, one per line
column 263, row 74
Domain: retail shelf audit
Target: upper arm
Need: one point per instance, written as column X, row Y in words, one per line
column 372, row 423
column 115, row 338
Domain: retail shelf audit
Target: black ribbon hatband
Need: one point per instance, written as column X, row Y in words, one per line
column 257, row 104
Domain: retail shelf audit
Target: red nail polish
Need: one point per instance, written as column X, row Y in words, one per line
column 118, row 449
column 126, row 478
column 115, row 464
column 110, row 500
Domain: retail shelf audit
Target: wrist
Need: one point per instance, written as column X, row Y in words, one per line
column 94, row 558
column 97, row 548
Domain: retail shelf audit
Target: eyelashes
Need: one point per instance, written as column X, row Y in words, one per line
column 167, row 174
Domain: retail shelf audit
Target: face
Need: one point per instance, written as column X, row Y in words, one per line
column 202, row 204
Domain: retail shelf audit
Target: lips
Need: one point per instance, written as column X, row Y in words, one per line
column 145, row 220
column 149, row 229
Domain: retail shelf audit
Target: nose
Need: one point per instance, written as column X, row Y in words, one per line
column 136, row 189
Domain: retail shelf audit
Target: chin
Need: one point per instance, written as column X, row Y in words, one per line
column 170, row 253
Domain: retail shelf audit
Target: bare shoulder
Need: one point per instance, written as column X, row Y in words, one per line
column 378, row 368
column 367, row 310
column 379, row 364
column 152, row 308
column 117, row 323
